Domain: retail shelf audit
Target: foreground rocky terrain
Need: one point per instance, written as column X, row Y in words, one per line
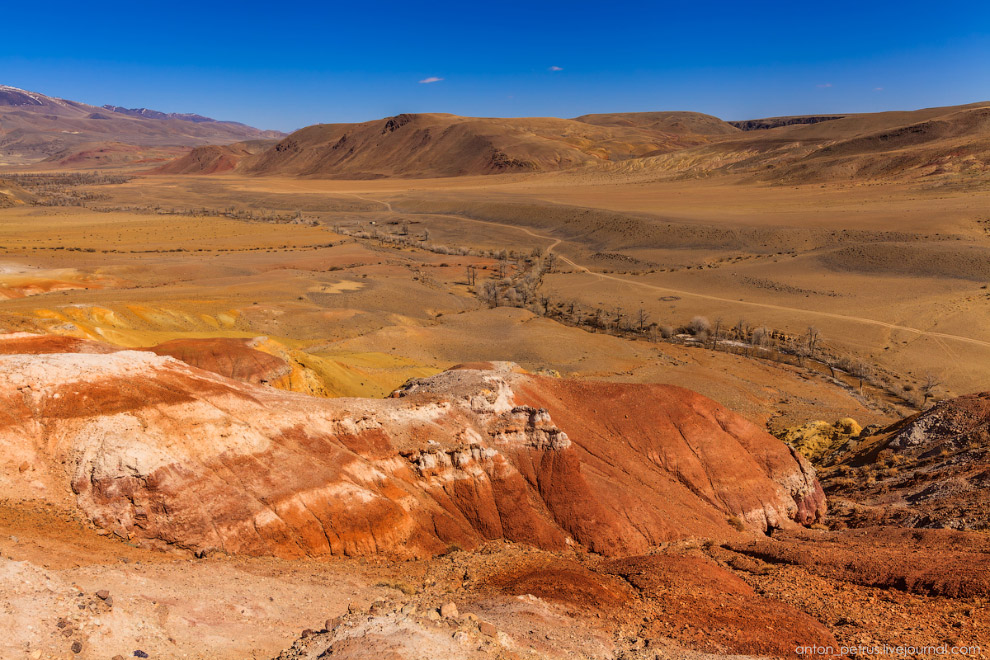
column 930, row 470
column 153, row 507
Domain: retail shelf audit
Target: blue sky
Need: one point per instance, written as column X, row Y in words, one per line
column 289, row 64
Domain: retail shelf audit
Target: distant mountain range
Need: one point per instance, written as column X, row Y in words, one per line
column 36, row 127
column 645, row 145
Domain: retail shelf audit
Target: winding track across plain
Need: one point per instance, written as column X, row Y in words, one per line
column 819, row 314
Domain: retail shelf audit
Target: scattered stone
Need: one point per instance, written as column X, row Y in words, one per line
column 487, row 629
column 140, row 654
column 308, row 633
column 448, row 611
column 408, row 609
column 469, row 616
column 102, row 594
column 67, row 632
column 35, row 654
column 352, row 608
column 76, row 647
column 117, row 657
column 24, row 467
column 109, row 601
column 62, row 623
column 433, row 615
column 330, row 624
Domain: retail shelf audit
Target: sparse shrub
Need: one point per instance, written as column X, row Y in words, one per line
column 404, row 587
column 699, row 325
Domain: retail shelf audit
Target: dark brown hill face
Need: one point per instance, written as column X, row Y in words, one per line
column 214, row 159
column 676, row 123
column 777, row 122
column 35, row 126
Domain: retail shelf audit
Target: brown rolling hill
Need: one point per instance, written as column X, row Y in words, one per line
column 425, row 145
column 877, row 146
column 12, row 194
column 214, row 158
column 34, row 127
column 920, row 143
column 676, row 123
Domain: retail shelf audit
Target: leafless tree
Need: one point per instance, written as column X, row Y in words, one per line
column 551, row 262
column 717, row 332
column 759, row 337
column 813, row 338
column 930, row 382
column 642, row 318
column 490, row 294
column 619, row 315
column 862, row 370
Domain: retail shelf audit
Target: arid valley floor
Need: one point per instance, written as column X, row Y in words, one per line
column 269, row 414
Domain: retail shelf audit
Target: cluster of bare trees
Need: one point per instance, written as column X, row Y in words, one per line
column 516, row 280
column 249, row 215
column 45, row 180
column 64, row 188
column 505, row 258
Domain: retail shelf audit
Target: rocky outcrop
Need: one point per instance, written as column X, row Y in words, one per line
column 162, row 453
column 233, row 358
column 776, row 122
column 929, row 470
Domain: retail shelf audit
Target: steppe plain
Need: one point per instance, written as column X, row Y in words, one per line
column 893, row 274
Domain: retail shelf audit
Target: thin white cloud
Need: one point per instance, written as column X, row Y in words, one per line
column 556, row 68
column 823, row 85
column 431, row 79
